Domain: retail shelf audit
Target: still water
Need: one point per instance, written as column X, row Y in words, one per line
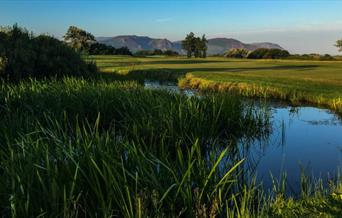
column 302, row 139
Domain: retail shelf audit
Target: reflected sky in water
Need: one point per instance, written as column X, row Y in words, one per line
column 302, row 138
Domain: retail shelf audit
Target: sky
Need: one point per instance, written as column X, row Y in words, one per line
column 300, row 26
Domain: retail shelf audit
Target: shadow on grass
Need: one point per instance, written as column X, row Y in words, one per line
column 185, row 61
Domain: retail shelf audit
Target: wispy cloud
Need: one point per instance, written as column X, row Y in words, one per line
column 163, row 20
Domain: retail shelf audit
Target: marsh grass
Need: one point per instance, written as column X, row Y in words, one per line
column 96, row 148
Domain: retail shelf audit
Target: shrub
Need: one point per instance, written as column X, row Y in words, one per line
column 2, row 64
column 171, row 53
column 258, row 53
column 157, row 52
column 264, row 53
column 326, row 57
column 236, row 53
column 142, row 53
column 123, row 51
column 24, row 55
column 102, row 49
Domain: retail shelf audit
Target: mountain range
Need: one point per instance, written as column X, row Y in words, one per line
column 215, row 45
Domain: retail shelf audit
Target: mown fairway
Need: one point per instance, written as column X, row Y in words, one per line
column 318, row 82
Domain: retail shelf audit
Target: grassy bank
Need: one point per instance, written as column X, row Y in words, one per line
column 314, row 82
column 95, row 148
column 77, row 148
column 86, row 148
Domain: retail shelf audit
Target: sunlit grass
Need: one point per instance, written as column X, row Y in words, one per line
column 103, row 148
column 314, row 82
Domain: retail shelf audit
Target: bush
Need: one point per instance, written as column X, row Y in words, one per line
column 264, row 53
column 326, row 57
column 143, row 53
column 2, row 64
column 236, row 53
column 123, row 51
column 24, row 55
column 317, row 57
column 102, row 49
column 171, row 53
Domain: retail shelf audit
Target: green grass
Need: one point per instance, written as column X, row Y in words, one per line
column 314, row 82
column 103, row 148
column 96, row 148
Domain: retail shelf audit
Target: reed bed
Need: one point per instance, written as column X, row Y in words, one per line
column 95, row 148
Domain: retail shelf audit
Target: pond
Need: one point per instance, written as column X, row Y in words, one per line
column 302, row 139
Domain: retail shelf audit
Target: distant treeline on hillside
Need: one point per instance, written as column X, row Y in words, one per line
column 264, row 53
column 102, row 49
column 260, row 53
column 156, row 52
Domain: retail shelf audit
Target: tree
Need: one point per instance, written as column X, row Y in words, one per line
column 24, row 55
column 236, row 53
column 102, row 49
column 188, row 44
column 265, row 53
column 204, row 46
column 195, row 45
column 157, row 52
column 198, row 47
column 123, row 51
column 170, row 53
column 339, row 45
column 79, row 39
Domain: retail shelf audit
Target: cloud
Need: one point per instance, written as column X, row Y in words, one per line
column 163, row 20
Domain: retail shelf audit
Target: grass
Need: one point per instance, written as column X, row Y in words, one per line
column 313, row 82
column 97, row 148
column 103, row 148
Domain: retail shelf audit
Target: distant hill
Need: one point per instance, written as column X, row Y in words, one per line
column 136, row 43
column 215, row 45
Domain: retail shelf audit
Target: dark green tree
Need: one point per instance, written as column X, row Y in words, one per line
column 198, row 47
column 265, row 53
column 195, row 46
column 157, row 52
column 79, row 39
column 204, row 46
column 23, row 55
column 339, row 45
column 188, row 44
column 236, row 53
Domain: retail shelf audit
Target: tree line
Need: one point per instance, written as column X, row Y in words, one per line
column 195, row 46
column 85, row 42
column 260, row 53
column 154, row 52
column 339, row 45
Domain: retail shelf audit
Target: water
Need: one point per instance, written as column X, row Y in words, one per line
column 302, row 139
column 308, row 139
column 168, row 86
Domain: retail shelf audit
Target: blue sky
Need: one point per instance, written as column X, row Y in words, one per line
column 301, row 26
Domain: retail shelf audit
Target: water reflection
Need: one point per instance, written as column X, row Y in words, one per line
column 301, row 138
column 168, row 86
column 310, row 139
